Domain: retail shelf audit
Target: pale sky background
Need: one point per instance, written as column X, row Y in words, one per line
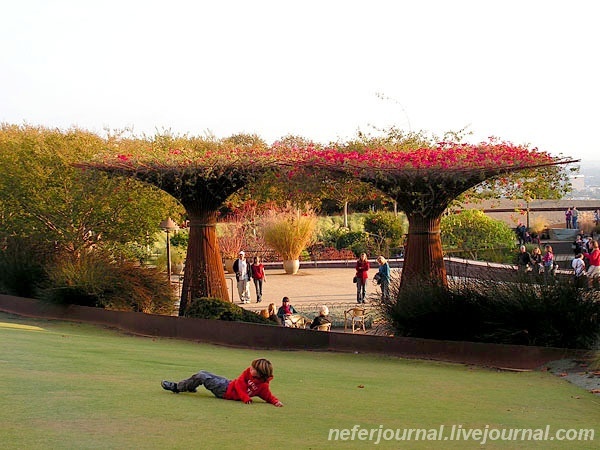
column 526, row 71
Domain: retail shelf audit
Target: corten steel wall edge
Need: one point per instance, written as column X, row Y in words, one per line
column 239, row 334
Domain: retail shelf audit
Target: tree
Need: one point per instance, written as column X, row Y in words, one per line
column 201, row 173
column 385, row 230
column 423, row 180
column 45, row 199
column 344, row 191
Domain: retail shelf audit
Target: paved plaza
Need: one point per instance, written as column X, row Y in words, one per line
column 310, row 286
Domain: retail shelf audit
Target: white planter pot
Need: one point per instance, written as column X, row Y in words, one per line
column 291, row 266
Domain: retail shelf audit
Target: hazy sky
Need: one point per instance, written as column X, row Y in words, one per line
column 523, row 70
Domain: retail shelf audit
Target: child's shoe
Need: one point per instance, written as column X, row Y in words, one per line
column 169, row 386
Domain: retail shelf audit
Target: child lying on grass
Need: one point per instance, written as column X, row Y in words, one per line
column 253, row 382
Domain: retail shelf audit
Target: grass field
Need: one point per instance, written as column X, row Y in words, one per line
column 76, row 386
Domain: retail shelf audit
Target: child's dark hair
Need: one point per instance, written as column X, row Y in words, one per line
column 263, row 367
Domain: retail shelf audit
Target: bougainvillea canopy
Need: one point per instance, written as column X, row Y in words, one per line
column 201, row 174
column 422, row 180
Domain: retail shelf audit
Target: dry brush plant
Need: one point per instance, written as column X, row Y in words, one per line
column 289, row 230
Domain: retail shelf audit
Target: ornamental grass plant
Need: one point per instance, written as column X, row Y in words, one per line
column 95, row 279
column 289, row 231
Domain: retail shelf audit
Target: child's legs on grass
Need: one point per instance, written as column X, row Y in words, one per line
column 214, row 383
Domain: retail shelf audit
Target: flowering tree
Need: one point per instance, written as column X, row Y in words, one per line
column 422, row 178
column 201, row 174
column 423, row 181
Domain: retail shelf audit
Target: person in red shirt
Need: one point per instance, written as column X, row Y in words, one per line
column 258, row 275
column 362, row 269
column 253, row 382
column 594, row 259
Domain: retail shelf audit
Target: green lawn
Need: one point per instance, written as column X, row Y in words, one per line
column 68, row 385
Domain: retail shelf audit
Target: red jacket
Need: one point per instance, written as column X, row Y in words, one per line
column 258, row 271
column 246, row 386
column 594, row 257
column 361, row 269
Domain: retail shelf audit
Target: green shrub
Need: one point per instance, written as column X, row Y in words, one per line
column 385, row 224
column 471, row 232
column 180, row 239
column 217, row 309
column 385, row 230
column 142, row 289
column 351, row 239
column 595, row 364
column 558, row 315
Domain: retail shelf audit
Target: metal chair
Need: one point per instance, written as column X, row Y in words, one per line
column 356, row 317
column 296, row 321
column 324, row 327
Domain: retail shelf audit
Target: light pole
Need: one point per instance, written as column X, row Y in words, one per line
column 168, row 226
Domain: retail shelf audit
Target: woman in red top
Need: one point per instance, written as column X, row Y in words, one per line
column 253, row 382
column 362, row 267
column 594, row 259
column 258, row 275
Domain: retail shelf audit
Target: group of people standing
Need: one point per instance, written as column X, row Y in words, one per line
column 245, row 272
column 382, row 277
column 571, row 218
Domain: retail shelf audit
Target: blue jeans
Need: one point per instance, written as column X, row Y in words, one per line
column 214, row 383
column 258, row 285
column 361, row 290
column 385, row 290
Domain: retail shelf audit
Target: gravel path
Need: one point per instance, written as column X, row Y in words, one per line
column 576, row 372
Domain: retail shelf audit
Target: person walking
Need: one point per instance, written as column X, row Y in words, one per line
column 362, row 269
column 243, row 275
column 258, row 276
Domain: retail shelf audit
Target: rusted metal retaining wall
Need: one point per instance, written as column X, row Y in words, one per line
column 258, row 336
